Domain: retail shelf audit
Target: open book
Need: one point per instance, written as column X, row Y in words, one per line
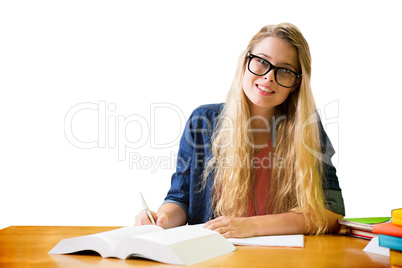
column 183, row 245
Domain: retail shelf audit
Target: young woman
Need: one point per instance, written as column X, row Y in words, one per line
column 260, row 163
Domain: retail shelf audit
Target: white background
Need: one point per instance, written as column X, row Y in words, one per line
column 119, row 58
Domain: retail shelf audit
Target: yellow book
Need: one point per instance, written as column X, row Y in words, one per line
column 395, row 257
column 397, row 216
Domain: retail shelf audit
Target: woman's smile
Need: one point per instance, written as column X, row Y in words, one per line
column 264, row 88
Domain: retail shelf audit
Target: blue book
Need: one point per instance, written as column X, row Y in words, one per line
column 391, row 242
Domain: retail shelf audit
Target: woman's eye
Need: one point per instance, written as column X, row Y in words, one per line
column 262, row 61
column 285, row 71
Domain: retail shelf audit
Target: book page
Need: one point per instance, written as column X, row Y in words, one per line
column 176, row 235
column 115, row 236
column 103, row 243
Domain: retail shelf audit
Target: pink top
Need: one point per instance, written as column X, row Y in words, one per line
column 262, row 162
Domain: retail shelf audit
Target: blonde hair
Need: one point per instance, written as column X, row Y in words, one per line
column 296, row 186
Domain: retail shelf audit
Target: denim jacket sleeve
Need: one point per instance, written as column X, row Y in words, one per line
column 194, row 151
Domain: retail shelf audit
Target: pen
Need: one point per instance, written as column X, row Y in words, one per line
column 147, row 209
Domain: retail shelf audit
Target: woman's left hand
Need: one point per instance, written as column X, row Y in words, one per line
column 233, row 226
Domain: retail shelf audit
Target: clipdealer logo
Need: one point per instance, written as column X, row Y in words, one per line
column 113, row 132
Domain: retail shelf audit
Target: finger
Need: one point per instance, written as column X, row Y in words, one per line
column 154, row 216
column 226, row 231
column 142, row 218
column 214, row 226
column 207, row 224
column 229, row 234
column 212, row 222
column 146, row 219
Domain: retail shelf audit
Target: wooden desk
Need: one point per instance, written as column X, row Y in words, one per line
column 22, row 246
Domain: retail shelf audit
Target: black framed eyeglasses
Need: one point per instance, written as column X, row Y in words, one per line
column 283, row 76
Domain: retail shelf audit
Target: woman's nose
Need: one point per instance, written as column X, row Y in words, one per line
column 270, row 76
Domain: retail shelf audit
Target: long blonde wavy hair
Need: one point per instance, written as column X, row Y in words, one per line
column 296, row 182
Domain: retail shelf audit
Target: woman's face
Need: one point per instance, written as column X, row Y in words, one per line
column 263, row 92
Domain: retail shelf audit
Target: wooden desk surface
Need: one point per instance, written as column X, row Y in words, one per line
column 22, row 246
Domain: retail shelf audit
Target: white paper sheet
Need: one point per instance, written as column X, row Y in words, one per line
column 373, row 247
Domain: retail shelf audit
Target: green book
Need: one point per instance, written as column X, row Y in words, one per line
column 365, row 224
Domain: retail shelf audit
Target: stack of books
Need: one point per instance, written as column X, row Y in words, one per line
column 361, row 227
column 390, row 236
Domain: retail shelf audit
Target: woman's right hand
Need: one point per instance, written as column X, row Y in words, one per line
column 161, row 219
column 169, row 215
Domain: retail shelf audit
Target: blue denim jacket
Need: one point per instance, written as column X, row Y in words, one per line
column 195, row 151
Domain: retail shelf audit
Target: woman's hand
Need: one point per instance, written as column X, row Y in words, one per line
column 271, row 224
column 233, row 226
column 161, row 219
column 169, row 215
column 143, row 219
